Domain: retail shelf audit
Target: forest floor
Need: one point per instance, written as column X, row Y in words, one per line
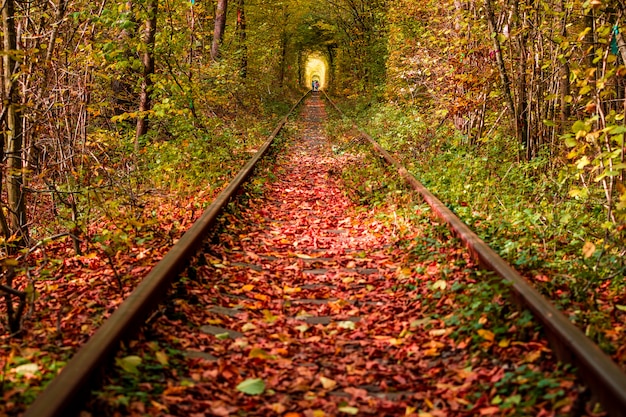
column 307, row 303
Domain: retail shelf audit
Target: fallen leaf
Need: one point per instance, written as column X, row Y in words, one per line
column 328, row 383
column 253, row 386
column 440, row 285
column 348, row 410
column 259, row 354
column 486, row 334
column 488, row 411
column 28, row 369
column 129, row 363
column 346, row 325
column 161, row 357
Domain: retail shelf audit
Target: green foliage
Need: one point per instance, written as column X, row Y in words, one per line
column 521, row 209
column 138, row 375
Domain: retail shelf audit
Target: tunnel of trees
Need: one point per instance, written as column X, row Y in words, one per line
column 106, row 105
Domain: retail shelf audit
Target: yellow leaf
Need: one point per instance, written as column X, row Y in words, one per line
column 260, row 354
column 247, row 327
column 158, row 406
column 404, row 273
column 409, row 410
column 486, row 334
column 588, row 249
column 328, row 383
column 260, row 297
column 504, row 343
column 291, row 290
column 532, row 356
column 440, row 285
column 161, row 357
column 247, row 287
column 429, row 403
column 438, row 332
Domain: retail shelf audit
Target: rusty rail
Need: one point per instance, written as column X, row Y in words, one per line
column 61, row 397
column 602, row 376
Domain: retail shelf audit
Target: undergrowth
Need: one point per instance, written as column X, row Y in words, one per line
column 521, row 209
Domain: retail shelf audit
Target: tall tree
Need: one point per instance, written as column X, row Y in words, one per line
column 241, row 37
column 13, row 139
column 504, row 75
column 148, row 70
column 220, row 26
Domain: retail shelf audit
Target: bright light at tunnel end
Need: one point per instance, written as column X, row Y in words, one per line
column 316, row 68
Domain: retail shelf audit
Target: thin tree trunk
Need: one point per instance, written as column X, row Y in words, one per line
column 241, row 35
column 220, row 26
column 58, row 19
column 506, row 84
column 13, row 132
column 148, row 70
column 564, row 72
column 283, row 57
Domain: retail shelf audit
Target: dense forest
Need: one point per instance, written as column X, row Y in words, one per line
column 119, row 116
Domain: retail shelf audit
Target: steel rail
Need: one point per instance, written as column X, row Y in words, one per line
column 602, row 376
column 61, row 397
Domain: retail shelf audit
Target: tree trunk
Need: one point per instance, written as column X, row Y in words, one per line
column 283, row 57
column 564, row 72
column 241, row 36
column 506, row 84
column 13, row 131
column 148, row 70
column 220, row 26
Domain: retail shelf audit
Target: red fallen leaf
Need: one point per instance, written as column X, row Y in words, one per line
column 489, row 411
column 222, row 410
column 497, row 376
column 357, row 393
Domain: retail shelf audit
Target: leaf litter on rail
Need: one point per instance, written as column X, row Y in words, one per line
column 308, row 304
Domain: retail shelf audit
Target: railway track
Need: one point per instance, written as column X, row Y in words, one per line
column 303, row 302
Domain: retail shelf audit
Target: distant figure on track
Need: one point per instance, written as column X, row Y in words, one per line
column 316, row 85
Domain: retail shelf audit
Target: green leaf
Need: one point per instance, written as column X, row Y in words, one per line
column 616, row 130
column 570, row 141
column 579, row 126
column 514, row 399
column 349, row 410
column 129, row 363
column 254, row 386
column 620, row 307
column 549, row 123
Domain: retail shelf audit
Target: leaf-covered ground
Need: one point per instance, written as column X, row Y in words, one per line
column 71, row 295
column 307, row 303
